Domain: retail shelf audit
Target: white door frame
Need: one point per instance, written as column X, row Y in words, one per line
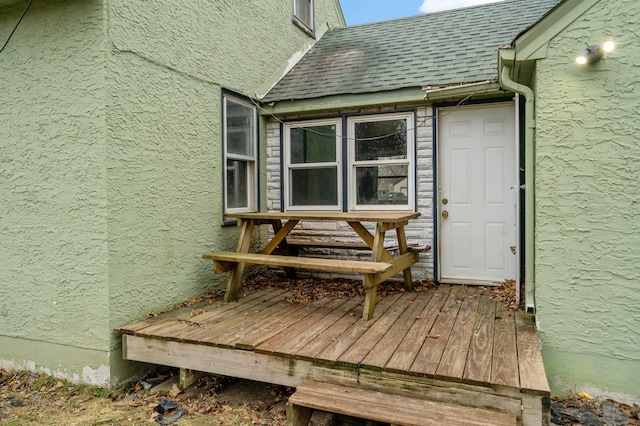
column 437, row 191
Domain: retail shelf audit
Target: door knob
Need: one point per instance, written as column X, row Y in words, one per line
column 445, row 214
column 445, row 201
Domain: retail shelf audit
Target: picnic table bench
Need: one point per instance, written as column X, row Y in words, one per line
column 383, row 265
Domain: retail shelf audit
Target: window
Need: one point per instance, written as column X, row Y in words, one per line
column 240, row 151
column 379, row 157
column 312, row 157
column 303, row 14
column 381, row 162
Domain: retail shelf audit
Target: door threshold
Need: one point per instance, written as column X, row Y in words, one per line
column 461, row 281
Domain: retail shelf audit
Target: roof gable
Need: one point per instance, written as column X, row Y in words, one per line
column 451, row 47
column 532, row 43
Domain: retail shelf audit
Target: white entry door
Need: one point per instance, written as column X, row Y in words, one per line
column 477, row 196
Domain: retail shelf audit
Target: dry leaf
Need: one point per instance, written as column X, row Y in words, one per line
column 433, row 336
column 175, row 391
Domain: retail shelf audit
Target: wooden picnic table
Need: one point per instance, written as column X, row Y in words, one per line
column 383, row 265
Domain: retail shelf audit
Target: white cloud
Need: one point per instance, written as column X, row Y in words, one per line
column 429, row 6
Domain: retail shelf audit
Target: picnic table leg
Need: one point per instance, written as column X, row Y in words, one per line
column 277, row 226
column 368, row 280
column 244, row 243
column 402, row 245
column 378, row 244
column 370, row 297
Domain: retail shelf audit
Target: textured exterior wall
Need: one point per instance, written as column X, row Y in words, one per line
column 111, row 164
column 168, row 63
column 588, row 206
column 53, row 246
column 418, row 231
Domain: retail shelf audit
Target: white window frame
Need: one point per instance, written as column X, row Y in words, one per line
column 410, row 162
column 251, row 160
column 307, row 26
column 288, row 167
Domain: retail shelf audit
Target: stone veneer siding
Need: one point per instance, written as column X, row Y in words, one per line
column 419, row 231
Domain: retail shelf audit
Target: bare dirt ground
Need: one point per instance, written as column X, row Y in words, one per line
column 32, row 399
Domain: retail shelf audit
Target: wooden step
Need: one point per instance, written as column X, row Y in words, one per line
column 226, row 259
column 384, row 407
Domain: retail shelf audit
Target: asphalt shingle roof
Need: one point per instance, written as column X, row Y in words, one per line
column 451, row 47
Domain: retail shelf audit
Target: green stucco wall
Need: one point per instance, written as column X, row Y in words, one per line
column 587, row 260
column 111, row 164
column 53, row 222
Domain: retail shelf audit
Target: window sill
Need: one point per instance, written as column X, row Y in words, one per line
column 304, row 27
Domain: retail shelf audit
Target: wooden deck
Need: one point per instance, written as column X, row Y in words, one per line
column 450, row 344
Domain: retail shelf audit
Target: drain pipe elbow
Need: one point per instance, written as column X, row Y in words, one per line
column 529, row 186
column 526, row 91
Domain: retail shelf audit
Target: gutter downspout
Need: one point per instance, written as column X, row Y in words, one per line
column 529, row 185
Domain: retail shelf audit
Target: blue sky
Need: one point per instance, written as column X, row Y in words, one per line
column 365, row 11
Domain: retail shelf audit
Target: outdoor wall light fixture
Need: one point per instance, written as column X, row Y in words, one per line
column 593, row 53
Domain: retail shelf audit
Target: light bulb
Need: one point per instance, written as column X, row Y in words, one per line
column 608, row 46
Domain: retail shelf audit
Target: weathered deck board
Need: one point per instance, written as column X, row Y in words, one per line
column 386, row 407
column 293, row 346
column 224, row 308
column 532, row 375
column 360, row 349
column 454, row 357
column 323, row 340
column 478, row 368
column 331, row 353
column 272, row 345
column 253, row 340
column 184, row 325
column 248, row 325
column 384, row 349
column 163, row 317
column 312, row 328
column 408, row 349
column 212, row 325
column 428, row 359
column 504, row 365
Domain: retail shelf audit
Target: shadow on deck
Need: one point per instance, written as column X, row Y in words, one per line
column 449, row 344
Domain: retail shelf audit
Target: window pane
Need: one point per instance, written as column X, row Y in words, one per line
column 303, row 11
column 314, row 187
column 381, row 140
column 240, row 128
column 315, row 144
column 237, row 184
column 386, row 184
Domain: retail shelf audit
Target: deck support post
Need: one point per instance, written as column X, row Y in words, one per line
column 189, row 377
column 298, row 416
